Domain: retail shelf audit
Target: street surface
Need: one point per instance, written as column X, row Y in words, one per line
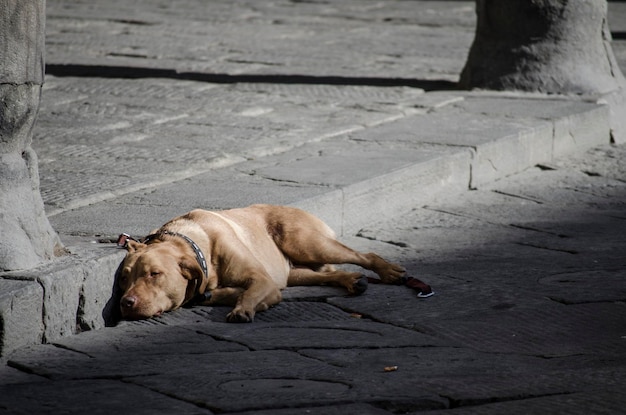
column 529, row 316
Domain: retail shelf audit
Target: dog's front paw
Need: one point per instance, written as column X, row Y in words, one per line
column 239, row 315
column 392, row 273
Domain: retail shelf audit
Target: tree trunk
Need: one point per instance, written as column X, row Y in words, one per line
column 549, row 46
column 26, row 237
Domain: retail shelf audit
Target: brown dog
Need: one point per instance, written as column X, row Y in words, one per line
column 239, row 257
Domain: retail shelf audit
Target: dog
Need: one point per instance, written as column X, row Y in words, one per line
column 239, row 257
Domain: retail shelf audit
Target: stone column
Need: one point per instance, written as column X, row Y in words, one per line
column 552, row 46
column 548, row 46
column 26, row 237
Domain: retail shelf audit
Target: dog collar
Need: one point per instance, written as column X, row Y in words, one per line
column 123, row 239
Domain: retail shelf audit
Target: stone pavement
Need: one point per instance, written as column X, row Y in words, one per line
column 346, row 109
column 528, row 317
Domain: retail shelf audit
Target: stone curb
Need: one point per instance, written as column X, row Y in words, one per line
column 69, row 296
column 58, row 299
column 470, row 167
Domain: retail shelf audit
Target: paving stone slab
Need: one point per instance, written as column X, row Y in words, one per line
column 516, row 389
column 275, row 379
column 573, row 287
column 597, row 162
column 520, row 105
column 140, row 212
column 493, row 140
column 341, row 162
column 142, row 339
column 392, row 193
column 357, row 408
column 89, row 396
column 506, row 209
column 556, row 331
column 299, row 306
column 511, row 154
column 565, row 188
column 58, row 363
column 251, row 38
column 609, row 401
column 498, row 128
column 9, row 376
column 492, row 234
column 328, row 334
column 464, row 284
column 456, row 239
column 448, row 125
column 121, row 130
column 577, row 124
column 575, row 127
column 529, row 280
column 268, row 379
column 454, row 298
column 303, row 311
column 467, row 377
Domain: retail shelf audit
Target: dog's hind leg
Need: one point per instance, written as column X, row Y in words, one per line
column 354, row 282
column 313, row 248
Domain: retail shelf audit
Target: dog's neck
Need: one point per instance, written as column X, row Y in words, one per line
column 194, row 237
column 191, row 230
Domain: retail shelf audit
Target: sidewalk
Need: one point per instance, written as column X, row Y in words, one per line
column 345, row 109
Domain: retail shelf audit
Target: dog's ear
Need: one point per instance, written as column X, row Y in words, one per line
column 133, row 246
column 191, row 270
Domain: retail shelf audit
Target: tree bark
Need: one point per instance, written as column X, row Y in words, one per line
column 549, row 46
column 26, row 237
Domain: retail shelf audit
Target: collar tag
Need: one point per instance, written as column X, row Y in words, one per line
column 122, row 240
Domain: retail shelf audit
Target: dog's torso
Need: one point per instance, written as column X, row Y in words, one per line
column 231, row 236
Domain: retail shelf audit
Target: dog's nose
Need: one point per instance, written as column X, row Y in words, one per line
column 129, row 301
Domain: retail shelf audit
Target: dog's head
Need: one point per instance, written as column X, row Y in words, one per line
column 158, row 277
